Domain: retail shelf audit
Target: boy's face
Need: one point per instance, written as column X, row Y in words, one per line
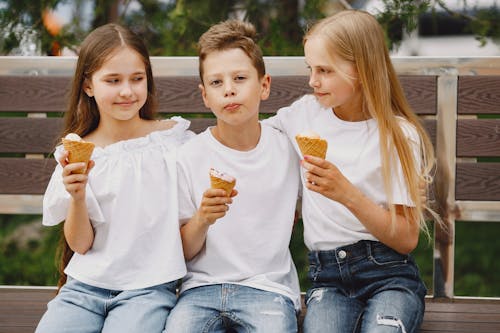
column 231, row 87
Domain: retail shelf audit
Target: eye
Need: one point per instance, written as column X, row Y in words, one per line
column 215, row 83
column 240, row 78
column 138, row 78
column 112, row 80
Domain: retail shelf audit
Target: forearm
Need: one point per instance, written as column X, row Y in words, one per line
column 193, row 234
column 77, row 227
column 401, row 236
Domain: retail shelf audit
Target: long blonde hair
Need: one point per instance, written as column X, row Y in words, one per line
column 357, row 37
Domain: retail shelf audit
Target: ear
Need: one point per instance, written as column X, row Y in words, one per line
column 87, row 87
column 265, row 87
column 204, row 95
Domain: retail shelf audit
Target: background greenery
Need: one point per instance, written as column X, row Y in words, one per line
column 171, row 28
column 27, row 252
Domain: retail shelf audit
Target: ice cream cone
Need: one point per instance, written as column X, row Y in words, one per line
column 79, row 151
column 312, row 146
column 222, row 181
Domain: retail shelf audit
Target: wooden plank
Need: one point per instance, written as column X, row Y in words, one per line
column 34, row 93
column 479, row 94
column 29, row 135
column 478, row 137
column 40, row 135
column 180, row 94
column 25, row 176
column 478, row 181
column 22, row 308
column 421, row 92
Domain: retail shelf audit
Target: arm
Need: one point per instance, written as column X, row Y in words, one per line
column 325, row 178
column 78, row 230
column 214, row 205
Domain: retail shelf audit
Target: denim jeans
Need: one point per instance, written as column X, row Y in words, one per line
column 81, row 308
column 363, row 287
column 225, row 308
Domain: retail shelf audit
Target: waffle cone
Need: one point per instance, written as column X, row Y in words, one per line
column 79, row 151
column 312, row 146
column 219, row 183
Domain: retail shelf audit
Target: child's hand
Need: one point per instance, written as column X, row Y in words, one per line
column 214, row 205
column 75, row 183
column 325, row 178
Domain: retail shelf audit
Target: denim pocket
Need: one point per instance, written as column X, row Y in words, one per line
column 383, row 256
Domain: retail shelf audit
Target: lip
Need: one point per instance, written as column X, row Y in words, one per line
column 320, row 94
column 232, row 107
column 125, row 104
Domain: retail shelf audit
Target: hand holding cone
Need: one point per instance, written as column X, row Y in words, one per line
column 78, row 151
column 220, row 180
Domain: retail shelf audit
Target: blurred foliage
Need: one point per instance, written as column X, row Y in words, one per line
column 171, row 28
column 31, row 261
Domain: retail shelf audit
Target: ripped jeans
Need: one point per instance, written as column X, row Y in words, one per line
column 364, row 287
column 222, row 308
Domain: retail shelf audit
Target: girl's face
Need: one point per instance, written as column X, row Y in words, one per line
column 120, row 86
column 336, row 86
column 231, row 87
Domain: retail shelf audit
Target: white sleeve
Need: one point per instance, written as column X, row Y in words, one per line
column 187, row 207
column 56, row 199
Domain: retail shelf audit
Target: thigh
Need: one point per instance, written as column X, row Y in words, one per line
column 197, row 310
column 76, row 309
column 393, row 311
column 329, row 310
column 140, row 310
column 259, row 311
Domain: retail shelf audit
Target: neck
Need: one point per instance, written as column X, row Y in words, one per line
column 353, row 111
column 241, row 138
column 113, row 131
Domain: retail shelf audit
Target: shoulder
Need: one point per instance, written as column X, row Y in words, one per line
column 409, row 130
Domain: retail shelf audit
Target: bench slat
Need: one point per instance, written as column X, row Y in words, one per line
column 180, row 94
column 478, row 94
column 478, row 181
column 29, row 135
column 478, row 137
column 25, row 176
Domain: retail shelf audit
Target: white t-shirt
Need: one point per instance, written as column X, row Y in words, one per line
column 354, row 148
column 249, row 246
column 132, row 203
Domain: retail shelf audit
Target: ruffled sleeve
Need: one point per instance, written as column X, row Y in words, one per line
column 56, row 199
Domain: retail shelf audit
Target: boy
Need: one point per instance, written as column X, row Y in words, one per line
column 241, row 276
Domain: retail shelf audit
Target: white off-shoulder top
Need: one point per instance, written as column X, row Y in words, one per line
column 132, row 202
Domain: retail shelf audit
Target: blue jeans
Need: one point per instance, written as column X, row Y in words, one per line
column 231, row 308
column 363, row 287
column 81, row 308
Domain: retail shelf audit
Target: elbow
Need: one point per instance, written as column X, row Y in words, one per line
column 81, row 248
column 408, row 246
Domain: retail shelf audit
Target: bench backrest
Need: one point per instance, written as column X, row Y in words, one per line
column 451, row 97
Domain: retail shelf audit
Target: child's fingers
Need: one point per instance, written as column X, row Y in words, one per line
column 70, row 168
column 63, row 160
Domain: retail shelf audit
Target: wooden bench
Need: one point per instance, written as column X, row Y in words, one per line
column 448, row 94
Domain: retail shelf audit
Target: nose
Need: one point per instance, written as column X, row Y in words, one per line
column 313, row 81
column 229, row 89
column 126, row 90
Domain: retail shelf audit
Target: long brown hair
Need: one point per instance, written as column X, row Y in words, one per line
column 356, row 36
column 82, row 114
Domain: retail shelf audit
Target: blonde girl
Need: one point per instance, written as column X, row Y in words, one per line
column 362, row 209
column 122, row 251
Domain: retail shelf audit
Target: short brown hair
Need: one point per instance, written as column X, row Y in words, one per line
column 231, row 34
